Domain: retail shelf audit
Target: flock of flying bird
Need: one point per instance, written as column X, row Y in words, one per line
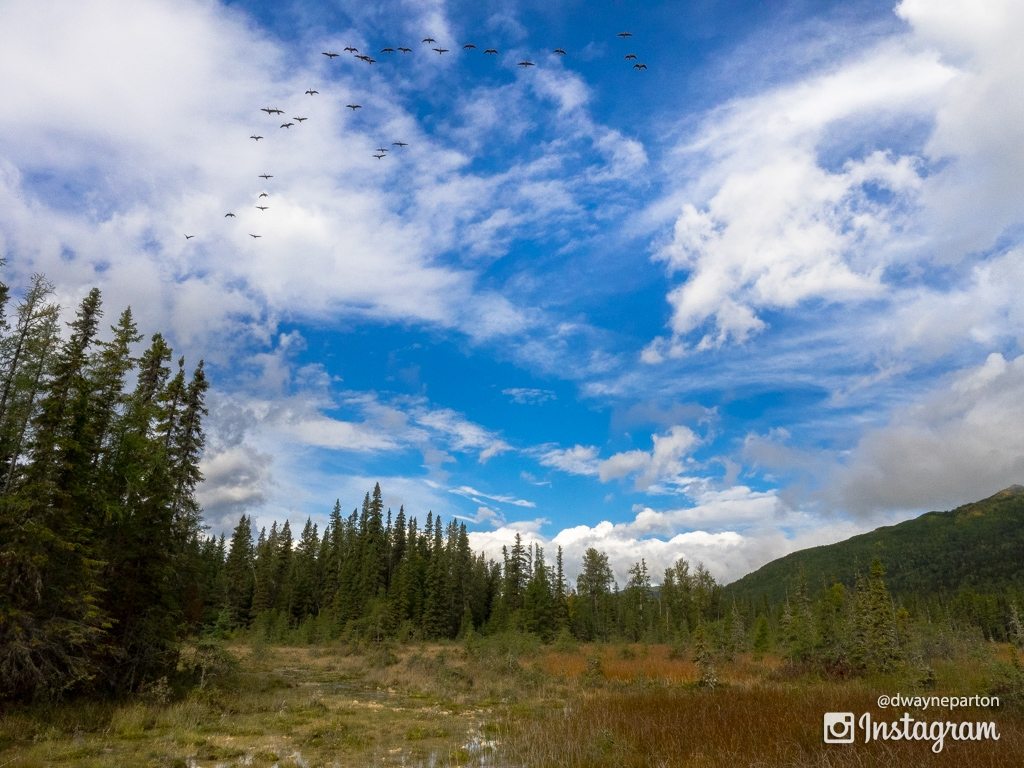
column 381, row 152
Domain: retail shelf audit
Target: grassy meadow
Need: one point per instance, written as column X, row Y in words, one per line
column 507, row 701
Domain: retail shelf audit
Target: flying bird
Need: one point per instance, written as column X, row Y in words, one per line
column 429, row 40
column 252, row 235
column 189, row 237
column 350, row 49
column 229, row 214
column 300, row 119
column 526, row 64
column 354, row 107
column 387, row 50
column 255, row 138
column 491, row 50
column 264, row 194
column 272, row 110
column 624, row 34
column 379, row 156
column 638, row 66
column 441, row 50
column 312, row 91
column 329, row 54
column 630, row 56
column 287, row 125
column 399, row 144
column 263, row 207
column 468, row 47
column 559, row 51
column 405, row 50
column 382, row 149
column 266, row 176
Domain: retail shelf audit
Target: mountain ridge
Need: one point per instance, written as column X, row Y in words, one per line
column 977, row 546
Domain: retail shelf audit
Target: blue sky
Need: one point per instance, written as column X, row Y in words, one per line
column 759, row 296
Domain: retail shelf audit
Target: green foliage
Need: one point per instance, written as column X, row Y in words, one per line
column 965, row 563
column 99, row 528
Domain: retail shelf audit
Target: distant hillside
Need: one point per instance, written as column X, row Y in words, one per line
column 979, row 546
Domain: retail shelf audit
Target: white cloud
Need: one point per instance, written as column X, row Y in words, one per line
column 663, row 462
column 957, row 443
column 578, row 460
column 529, row 395
column 651, row 470
column 732, row 531
column 463, row 435
column 477, row 496
column 842, row 185
column 778, row 222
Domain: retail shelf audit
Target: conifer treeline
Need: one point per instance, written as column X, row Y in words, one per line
column 99, row 526
column 375, row 576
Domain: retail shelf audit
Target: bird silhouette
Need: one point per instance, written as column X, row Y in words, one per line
column 405, row 50
column 228, row 215
column 624, row 34
column 387, row 50
column 263, row 207
column 428, row 40
column 526, row 64
column 255, row 137
column 287, row 125
column 379, row 156
column 559, row 51
column 441, row 50
column 311, row 91
column 299, row 119
column 266, row 176
column 382, row 149
column 491, row 50
column 264, row 194
column 354, row 107
column 630, row 56
column 189, row 237
column 399, row 144
column 329, row 54
column 272, row 110
column 468, row 47
column 252, row 235
column 639, row 66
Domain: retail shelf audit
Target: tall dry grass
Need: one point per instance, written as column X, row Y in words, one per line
column 765, row 725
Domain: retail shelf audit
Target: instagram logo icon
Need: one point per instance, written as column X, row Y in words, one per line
column 839, row 727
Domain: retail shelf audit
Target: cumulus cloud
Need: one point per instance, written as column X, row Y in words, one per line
column 663, row 462
column 236, row 480
column 732, row 531
column 578, row 460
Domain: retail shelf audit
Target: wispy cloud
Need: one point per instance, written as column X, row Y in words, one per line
column 477, row 496
column 529, row 395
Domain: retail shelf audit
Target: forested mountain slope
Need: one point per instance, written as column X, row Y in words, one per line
column 978, row 547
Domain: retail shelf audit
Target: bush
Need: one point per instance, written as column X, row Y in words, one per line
column 208, row 663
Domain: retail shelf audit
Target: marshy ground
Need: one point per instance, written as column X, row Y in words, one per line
column 504, row 702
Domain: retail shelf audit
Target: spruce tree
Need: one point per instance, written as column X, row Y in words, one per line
column 239, row 576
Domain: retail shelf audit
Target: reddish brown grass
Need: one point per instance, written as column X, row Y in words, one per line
column 758, row 726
